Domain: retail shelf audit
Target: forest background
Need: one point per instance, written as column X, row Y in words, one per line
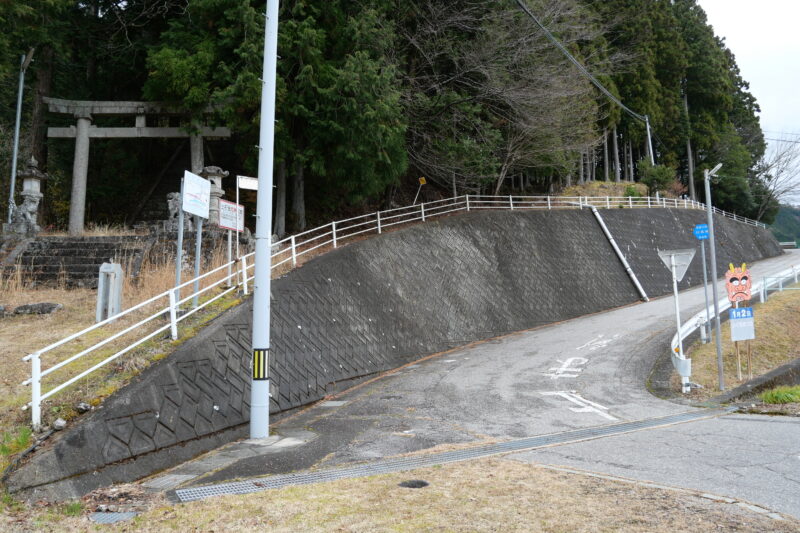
column 373, row 94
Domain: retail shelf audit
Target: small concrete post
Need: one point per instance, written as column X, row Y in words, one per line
column 294, row 252
column 378, row 215
column 80, row 168
column 468, row 202
column 173, row 314
column 422, row 210
column 109, row 291
column 333, row 233
column 548, row 203
column 511, row 202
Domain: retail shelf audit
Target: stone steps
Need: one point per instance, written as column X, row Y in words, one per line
column 77, row 260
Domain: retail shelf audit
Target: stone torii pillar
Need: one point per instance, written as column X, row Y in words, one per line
column 80, row 169
column 85, row 111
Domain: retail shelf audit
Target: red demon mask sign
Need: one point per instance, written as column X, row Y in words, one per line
column 738, row 283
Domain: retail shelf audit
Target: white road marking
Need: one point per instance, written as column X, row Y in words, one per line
column 586, row 406
column 568, row 369
column 598, row 342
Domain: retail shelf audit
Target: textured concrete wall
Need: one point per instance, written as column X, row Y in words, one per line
column 641, row 233
column 359, row 310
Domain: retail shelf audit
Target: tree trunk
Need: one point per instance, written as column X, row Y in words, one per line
column 580, row 172
column 605, row 154
column 298, row 198
column 501, row 178
column 280, row 201
column 689, row 155
column 615, row 147
column 455, row 189
column 630, row 161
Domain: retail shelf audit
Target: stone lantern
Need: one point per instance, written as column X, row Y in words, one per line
column 23, row 222
column 215, row 175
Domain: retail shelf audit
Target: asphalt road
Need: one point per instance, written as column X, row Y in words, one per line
column 585, row 372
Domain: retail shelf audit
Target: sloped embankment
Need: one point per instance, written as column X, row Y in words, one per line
column 360, row 310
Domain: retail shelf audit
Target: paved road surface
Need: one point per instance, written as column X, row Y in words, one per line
column 584, row 372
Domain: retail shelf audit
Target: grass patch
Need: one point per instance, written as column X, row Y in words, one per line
column 486, row 495
column 781, row 395
column 777, row 342
column 606, row 188
column 15, row 442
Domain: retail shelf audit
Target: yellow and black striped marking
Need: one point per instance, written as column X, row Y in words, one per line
column 260, row 364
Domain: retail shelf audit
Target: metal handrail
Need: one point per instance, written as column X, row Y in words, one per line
column 290, row 249
column 698, row 321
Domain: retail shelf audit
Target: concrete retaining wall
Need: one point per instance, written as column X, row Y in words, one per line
column 360, row 310
column 641, row 233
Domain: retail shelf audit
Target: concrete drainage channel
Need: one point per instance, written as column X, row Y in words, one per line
column 402, row 464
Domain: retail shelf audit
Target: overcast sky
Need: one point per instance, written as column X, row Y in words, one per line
column 765, row 38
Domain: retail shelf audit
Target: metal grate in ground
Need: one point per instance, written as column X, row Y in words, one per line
column 400, row 464
column 111, row 518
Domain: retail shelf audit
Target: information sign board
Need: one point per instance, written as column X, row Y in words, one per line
column 231, row 216
column 196, row 194
column 743, row 326
column 248, row 183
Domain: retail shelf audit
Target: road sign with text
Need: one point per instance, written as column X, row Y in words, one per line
column 701, row 232
column 743, row 325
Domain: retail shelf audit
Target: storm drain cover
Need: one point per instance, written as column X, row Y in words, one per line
column 111, row 518
column 414, row 484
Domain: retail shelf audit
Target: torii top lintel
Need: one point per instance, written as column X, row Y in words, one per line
column 86, row 109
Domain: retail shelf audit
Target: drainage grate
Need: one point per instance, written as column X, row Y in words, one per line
column 110, row 518
column 401, row 464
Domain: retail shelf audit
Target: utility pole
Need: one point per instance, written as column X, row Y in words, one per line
column 718, row 328
column 259, row 391
column 649, row 141
column 24, row 63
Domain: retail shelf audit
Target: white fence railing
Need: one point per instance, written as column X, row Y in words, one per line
column 166, row 310
column 700, row 322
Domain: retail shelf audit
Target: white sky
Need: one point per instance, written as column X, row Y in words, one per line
column 765, row 38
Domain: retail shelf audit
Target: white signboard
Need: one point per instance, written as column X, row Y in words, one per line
column 231, row 216
column 246, row 182
column 196, row 194
column 743, row 327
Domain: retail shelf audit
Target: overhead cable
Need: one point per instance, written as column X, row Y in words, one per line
column 578, row 64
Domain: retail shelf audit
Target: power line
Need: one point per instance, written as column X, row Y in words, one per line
column 578, row 64
column 781, row 140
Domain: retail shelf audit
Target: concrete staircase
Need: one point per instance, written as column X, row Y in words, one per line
column 77, row 260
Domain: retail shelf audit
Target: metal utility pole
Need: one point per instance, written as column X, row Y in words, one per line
column 649, row 141
column 259, row 391
column 718, row 329
column 707, row 325
column 24, row 63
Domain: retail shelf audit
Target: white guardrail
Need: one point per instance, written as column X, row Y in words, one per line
column 169, row 304
column 698, row 321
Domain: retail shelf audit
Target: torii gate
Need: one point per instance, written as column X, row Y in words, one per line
column 84, row 111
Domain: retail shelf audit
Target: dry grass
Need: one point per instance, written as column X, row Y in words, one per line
column 486, row 495
column 603, row 188
column 777, row 342
column 94, row 229
column 24, row 334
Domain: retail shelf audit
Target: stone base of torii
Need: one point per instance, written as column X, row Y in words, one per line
column 84, row 130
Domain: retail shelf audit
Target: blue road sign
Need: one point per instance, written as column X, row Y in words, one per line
column 741, row 312
column 701, row 232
